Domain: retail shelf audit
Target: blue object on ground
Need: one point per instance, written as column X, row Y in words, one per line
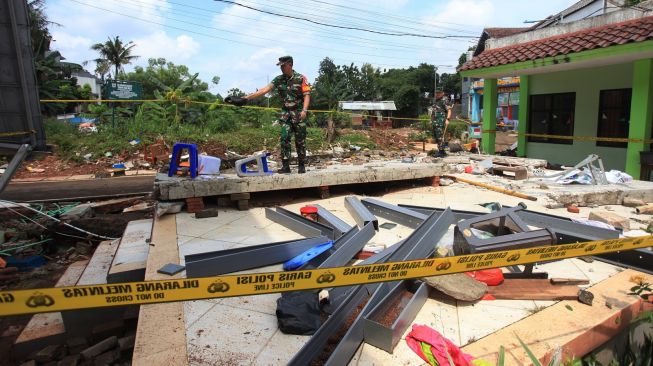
column 25, row 264
column 177, row 149
column 299, row 260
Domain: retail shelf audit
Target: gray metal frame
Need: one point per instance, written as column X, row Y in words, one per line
column 567, row 230
column 327, row 218
column 385, row 337
column 299, row 224
column 394, row 213
column 420, row 244
column 21, row 154
column 360, row 213
column 239, row 259
column 344, row 249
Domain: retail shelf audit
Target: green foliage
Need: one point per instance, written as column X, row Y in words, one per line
column 114, row 52
column 456, row 128
column 356, row 138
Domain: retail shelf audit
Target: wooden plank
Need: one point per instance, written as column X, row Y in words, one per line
column 532, row 289
column 574, row 327
column 161, row 333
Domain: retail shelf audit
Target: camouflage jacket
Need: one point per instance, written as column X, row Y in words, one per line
column 439, row 108
column 291, row 90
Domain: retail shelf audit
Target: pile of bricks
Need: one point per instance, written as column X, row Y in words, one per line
column 194, row 204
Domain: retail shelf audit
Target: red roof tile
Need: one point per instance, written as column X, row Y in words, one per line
column 636, row 30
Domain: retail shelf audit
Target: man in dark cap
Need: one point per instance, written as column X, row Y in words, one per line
column 295, row 94
column 440, row 114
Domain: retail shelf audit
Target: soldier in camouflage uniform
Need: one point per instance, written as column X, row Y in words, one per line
column 440, row 114
column 295, row 93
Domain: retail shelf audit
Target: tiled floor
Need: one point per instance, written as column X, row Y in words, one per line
column 243, row 330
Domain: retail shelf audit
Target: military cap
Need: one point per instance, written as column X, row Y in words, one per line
column 284, row 59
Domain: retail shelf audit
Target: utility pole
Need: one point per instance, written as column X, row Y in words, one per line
column 435, row 82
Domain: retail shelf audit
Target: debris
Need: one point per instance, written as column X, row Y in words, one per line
column 96, row 349
column 163, row 208
column 532, row 289
column 407, row 159
column 648, row 209
column 568, row 281
column 585, row 297
column 34, row 170
column 573, row 209
column 435, row 349
column 388, row 225
column 494, row 188
column 12, row 330
column 490, row 277
column 298, row 312
column 171, row 269
column 632, row 202
column 108, row 154
column 50, row 353
column 194, row 204
column 619, row 222
column 458, row 285
column 134, row 142
column 140, row 207
column 25, row 264
column 206, row 213
column 446, row 182
column 492, row 206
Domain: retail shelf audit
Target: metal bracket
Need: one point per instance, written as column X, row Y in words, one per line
column 361, row 214
column 327, row 218
column 239, row 259
column 22, row 152
column 298, row 223
column 394, row 213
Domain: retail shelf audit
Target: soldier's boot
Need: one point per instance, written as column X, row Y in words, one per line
column 442, row 153
column 285, row 168
column 301, row 169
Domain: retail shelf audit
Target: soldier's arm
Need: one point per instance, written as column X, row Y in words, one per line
column 260, row 92
column 306, row 90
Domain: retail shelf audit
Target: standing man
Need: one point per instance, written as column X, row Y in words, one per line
column 440, row 115
column 295, row 94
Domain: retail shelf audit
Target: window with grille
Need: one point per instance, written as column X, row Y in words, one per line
column 552, row 114
column 614, row 116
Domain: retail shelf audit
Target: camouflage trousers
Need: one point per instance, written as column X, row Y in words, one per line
column 292, row 125
column 437, row 126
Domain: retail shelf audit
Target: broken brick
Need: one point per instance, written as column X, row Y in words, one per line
column 50, row 353
column 96, row 349
column 573, row 209
column 619, row 222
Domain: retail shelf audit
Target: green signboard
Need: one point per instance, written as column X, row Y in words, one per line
column 122, row 90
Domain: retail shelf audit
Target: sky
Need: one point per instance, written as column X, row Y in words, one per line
column 240, row 42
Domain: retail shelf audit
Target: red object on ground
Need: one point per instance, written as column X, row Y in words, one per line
column 468, row 169
column 423, row 338
column 488, row 297
column 364, row 255
column 194, row 204
column 490, row 277
column 573, row 209
column 309, row 212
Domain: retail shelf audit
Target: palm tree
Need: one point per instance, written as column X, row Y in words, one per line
column 115, row 53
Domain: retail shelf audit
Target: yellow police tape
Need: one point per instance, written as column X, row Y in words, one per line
column 148, row 292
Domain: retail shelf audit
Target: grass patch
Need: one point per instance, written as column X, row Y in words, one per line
column 356, row 138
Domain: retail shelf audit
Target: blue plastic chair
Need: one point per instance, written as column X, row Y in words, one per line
column 193, row 158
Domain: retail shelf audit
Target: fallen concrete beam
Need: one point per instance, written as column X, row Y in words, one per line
column 173, row 188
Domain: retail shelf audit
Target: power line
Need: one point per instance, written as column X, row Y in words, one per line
column 363, row 44
column 234, row 41
column 341, row 27
column 378, row 21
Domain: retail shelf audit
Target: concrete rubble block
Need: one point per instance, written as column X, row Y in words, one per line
column 458, row 285
column 98, row 348
column 108, row 329
column 633, row 202
column 206, row 213
column 107, row 358
column 71, row 360
column 239, row 196
column 52, row 352
column 76, row 344
column 619, row 222
column 77, row 212
column 84, row 248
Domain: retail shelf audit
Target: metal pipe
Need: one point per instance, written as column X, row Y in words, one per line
column 493, row 188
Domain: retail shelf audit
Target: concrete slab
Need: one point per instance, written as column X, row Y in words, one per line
column 48, row 328
column 130, row 260
column 172, row 188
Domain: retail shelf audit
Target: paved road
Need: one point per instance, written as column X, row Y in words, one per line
column 75, row 189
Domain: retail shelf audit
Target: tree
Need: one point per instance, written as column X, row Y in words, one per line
column 115, row 53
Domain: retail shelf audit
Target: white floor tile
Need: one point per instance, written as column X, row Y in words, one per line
column 281, row 349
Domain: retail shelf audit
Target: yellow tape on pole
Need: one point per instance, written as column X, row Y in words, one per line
column 133, row 293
